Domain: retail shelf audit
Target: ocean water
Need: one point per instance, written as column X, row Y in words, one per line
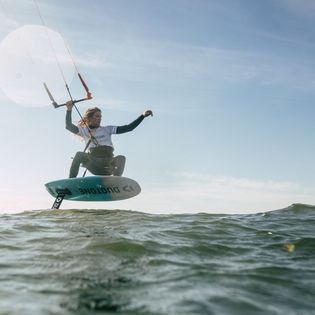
column 125, row 262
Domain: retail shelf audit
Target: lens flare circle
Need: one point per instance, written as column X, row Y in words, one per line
column 29, row 56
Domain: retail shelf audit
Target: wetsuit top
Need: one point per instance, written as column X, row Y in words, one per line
column 102, row 134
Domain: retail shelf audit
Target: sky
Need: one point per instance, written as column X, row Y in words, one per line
column 231, row 84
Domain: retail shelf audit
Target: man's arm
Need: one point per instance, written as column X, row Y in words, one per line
column 69, row 125
column 134, row 124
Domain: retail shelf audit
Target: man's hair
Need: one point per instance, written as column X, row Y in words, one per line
column 88, row 115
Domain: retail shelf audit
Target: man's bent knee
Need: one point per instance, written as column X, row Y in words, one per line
column 119, row 162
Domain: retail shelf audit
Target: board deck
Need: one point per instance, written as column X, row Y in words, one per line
column 94, row 188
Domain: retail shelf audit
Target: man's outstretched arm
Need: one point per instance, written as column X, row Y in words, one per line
column 134, row 124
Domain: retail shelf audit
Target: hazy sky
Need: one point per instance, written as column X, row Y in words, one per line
column 231, row 84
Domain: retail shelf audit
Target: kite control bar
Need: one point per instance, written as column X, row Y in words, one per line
column 56, row 105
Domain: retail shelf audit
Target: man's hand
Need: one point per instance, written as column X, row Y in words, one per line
column 69, row 105
column 147, row 113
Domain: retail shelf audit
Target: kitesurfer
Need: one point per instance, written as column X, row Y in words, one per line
column 98, row 155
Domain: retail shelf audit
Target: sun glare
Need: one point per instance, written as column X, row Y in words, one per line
column 29, row 56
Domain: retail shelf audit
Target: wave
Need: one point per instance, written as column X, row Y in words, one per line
column 129, row 262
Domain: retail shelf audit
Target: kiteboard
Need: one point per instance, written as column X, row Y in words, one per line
column 93, row 188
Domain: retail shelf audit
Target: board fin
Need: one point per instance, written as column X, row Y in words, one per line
column 61, row 195
column 58, row 201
